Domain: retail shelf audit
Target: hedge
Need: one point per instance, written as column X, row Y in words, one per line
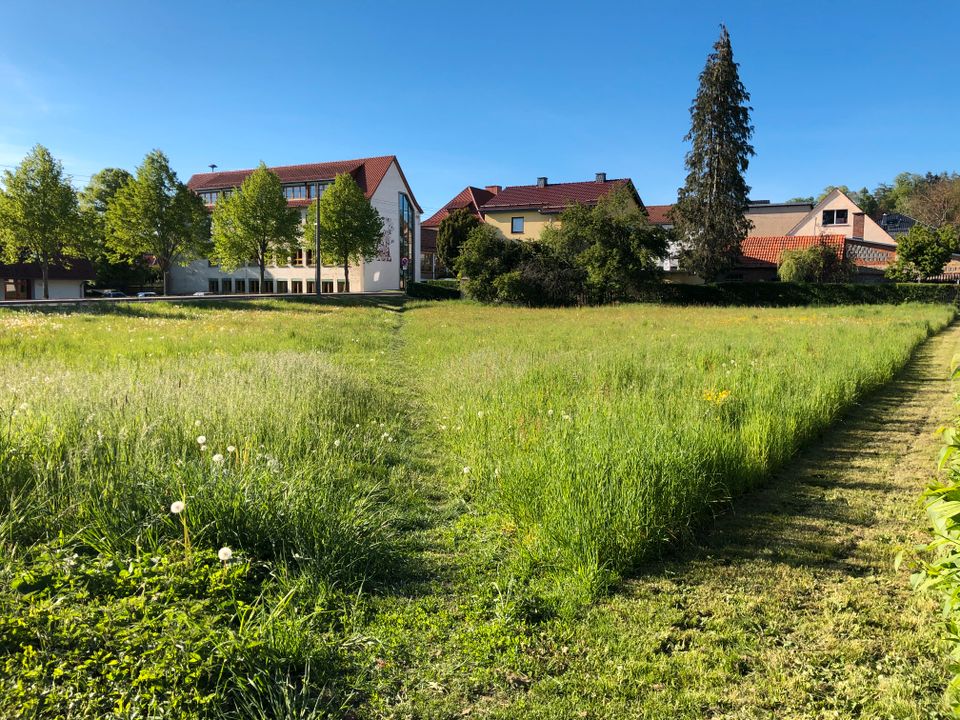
column 432, row 291
column 779, row 294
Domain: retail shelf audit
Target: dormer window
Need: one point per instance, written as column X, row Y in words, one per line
column 834, row 217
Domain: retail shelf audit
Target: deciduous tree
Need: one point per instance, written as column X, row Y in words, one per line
column 255, row 223
column 350, row 229
column 40, row 220
column 709, row 213
column 154, row 214
column 923, row 252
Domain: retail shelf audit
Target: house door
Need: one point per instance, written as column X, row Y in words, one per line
column 16, row 290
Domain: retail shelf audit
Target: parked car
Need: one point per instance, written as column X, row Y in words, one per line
column 146, row 293
column 113, row 294
column 201, row 293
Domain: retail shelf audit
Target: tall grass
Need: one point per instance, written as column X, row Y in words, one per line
column 595, row 437
column 279, row 428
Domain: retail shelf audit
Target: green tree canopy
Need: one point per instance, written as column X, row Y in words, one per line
column 95, row 198
column 40, row 219
column 923, row 252
column 819, row 263
column 154, row 214
column 613, row 243
column 709, row 213
column 452, row 233
column 255, row 223
column 351, row 229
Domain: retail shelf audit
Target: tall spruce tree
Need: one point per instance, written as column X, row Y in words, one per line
column 710, row 208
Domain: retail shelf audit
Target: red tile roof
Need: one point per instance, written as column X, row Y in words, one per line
column 470, row 197
column 765, row 251
column 368, row 172
column 660, row 214
column 556, row 197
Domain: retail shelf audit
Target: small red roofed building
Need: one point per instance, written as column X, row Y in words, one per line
column 470, row 198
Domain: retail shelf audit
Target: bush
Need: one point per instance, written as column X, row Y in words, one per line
column 432, row 291
column 923, row 252
column 817, row 264
column 484, row 257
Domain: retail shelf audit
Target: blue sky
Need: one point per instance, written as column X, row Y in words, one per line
column 481, row 93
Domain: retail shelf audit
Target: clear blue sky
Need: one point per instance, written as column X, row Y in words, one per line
column 481, row 93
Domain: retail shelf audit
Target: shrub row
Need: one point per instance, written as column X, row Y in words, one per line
column 781, row 294
column 435, row 290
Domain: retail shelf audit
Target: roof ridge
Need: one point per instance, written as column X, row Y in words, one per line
column 356, row 161
column 572, row 182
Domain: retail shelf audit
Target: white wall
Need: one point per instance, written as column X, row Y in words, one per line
column 195, row 276
column 813, row 224
column 59, row 289
column 385, row 275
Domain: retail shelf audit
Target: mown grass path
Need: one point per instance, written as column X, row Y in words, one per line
column 788, row 606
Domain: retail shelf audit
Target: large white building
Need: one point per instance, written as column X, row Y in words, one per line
column 384, row 184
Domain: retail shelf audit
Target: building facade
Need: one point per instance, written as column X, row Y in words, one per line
column 24, row 281
column 383, row 183
column 523, row 211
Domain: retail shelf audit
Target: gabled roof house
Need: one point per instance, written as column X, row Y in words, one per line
column 471, row 198
column 522, row 211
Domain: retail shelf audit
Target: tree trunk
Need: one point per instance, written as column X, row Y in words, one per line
column 346, row 274
column 45, row 271
column 263, row 271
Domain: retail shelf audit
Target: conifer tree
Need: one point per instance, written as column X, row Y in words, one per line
column 710, row 207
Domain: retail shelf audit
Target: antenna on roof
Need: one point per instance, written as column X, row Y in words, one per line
column 212, row 166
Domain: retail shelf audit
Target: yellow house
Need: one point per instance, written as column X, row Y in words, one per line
column 522, row 211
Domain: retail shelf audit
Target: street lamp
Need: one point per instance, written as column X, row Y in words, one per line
column 316, row 241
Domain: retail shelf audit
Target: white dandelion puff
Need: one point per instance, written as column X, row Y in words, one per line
column 466, row 469
column 225, row 554
column 196, row 423
column 336, row 443
column 177, row 507
column 201, row 439
column 231, row 449
column 218, row 458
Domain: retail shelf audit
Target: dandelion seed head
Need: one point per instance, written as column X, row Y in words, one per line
column 218, row 458
column 225, row 554
column 196, row 423
column 466, row 469
column 336, row 443
column 231, row 449
column 201, row 439
column 177, row 507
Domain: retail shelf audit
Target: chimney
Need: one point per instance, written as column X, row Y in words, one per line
column 495, row 189
column 858, row 225
column 541, row 182
column 601, row 177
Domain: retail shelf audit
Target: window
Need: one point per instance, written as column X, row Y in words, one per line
column 311, row 287
column 309, row 258
column 210, row 197
column 239, row 286
column 326, row 286
column 297, row 258
column 317, row 189
column 268, row 286
column 341, row 286
column 296, row 286
column 255, row 286
column 834, row 217
column 516, row 225
column 213, row 285
column 226, row 285
column 282, row 286
column 295, row 192
column 408, row 234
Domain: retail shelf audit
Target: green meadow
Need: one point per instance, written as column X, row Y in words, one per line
column 394, row 486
